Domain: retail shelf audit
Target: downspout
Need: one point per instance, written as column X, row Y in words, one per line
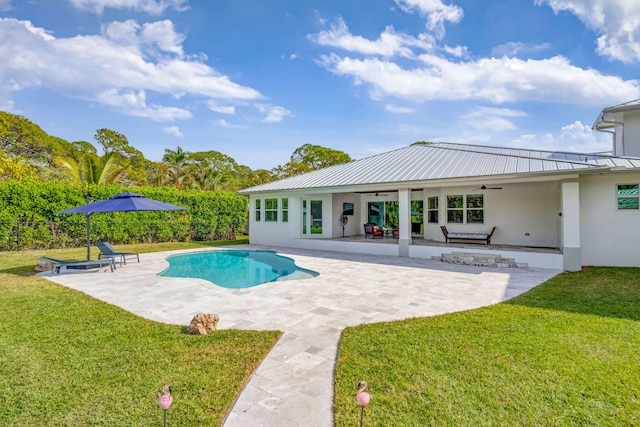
column 613, row 133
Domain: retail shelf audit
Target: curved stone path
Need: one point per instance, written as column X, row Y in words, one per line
column 293, row 385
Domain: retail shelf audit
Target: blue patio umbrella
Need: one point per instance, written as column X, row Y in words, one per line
column 125, row 202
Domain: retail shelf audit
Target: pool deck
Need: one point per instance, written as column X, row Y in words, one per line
column 293, row 386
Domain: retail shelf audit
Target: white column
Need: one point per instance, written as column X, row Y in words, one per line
column 404, row 216
column 571, row 251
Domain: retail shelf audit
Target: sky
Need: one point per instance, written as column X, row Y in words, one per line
column 256, row 79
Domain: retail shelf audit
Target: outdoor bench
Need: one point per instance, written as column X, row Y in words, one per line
column 486, row 237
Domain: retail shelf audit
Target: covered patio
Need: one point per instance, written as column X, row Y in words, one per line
column 428, row 249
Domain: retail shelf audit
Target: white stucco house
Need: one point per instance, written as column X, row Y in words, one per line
column 550, row 209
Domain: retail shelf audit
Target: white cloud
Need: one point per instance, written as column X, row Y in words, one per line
column 388, row 44
column 173, row 130
column 135, row 104
column 153, row 7
column 514, row 48
column 491, row 118
column 223, row 109
column 153, row 37
column 496, row 80
column 436, row 12
column 457, row 51
column 575, row 137
column 225, row 124
column 119, row 68
column 400, row 110
column 274, row 113
column 616, row 21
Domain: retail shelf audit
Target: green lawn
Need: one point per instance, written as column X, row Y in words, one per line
column 565, row 353
column 67, row 359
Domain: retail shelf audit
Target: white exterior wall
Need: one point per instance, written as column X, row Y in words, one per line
column 631, row 134
column 524, row 214
column 286, row 233
column 570, row 236
column 609, row 237
column 354, row 225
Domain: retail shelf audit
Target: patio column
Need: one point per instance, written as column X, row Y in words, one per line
column 404, row 216
column 571, row 251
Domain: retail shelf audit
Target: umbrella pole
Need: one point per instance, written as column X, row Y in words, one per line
column 87, row 217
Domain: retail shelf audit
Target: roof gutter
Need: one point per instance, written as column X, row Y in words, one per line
column 602, row 119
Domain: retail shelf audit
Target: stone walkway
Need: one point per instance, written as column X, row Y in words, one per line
column 293, row 385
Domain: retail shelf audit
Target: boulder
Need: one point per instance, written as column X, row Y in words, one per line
column 203, row 324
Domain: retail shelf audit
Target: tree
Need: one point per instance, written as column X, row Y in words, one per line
column 317, row 157
column 260, row 176
column 15, row 167
column 112, row 141
column 178, row 158
column 92, row 169
column 131, row 158
column 308, row 158
column 20, row 137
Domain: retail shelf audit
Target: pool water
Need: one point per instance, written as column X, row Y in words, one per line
column 235, row 269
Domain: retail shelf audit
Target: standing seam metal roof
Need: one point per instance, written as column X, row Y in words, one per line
column 421, row 162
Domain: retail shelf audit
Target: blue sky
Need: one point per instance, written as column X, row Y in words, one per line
column 256, row 79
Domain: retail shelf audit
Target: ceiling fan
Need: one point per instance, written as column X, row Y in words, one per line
column 484, row 187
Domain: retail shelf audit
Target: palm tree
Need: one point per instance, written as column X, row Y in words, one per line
column 92, row 169
column 178, row 158
column 207, row 178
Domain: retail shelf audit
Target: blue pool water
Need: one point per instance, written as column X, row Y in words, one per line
column 235, row 269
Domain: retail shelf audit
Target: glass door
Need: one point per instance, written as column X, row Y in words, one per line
column 375, row 213
column 316, row 216
column 311, row 217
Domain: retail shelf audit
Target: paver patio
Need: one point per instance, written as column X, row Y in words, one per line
column 293, row 385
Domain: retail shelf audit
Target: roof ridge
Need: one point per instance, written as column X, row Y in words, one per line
column 471, row 150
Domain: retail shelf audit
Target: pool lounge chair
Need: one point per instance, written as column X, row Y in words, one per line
column 107, row 251
column 57, row 264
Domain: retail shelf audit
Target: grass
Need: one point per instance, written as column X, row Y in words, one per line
column 564, row 353
column 67, row 359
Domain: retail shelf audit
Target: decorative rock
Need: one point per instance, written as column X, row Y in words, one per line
column 203, row 324
column 43, row 266
column 480, row 260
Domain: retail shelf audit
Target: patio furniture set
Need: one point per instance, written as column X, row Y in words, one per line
column 373, row 230
column 107, row 258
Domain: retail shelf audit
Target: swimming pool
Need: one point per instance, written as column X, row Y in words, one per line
column 235, row 269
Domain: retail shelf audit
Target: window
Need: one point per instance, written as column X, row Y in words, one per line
column 271, row 210
column 475, row 209
column 455, row 209
column 627, row 196
column 469, row 207
column 258, row 210
column 432, row 209
column 285, row 210
column 304, row 217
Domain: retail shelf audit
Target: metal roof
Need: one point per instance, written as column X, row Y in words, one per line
column 423, row 162
column 611, row 116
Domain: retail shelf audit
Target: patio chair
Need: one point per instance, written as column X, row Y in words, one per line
column 372, row 230
column 57, row 264
column 107, row 251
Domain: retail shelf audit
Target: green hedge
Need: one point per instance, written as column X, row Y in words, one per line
column 27, row 215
